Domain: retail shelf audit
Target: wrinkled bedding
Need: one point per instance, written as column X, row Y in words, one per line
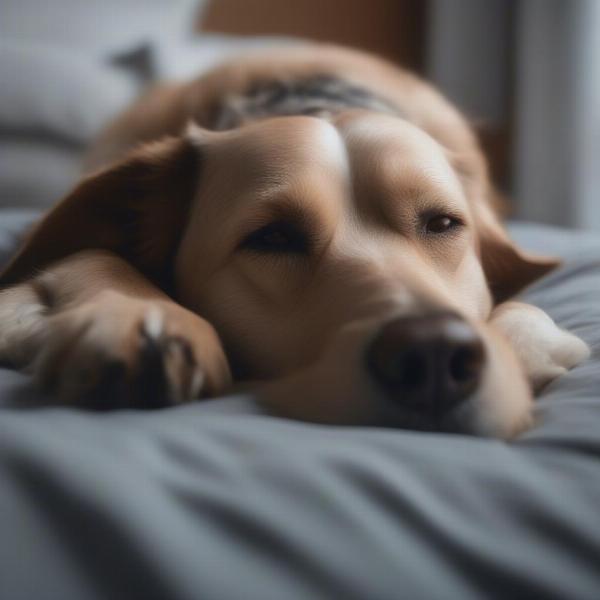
column 217, row 500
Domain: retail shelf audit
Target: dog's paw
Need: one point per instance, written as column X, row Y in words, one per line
column 545, row 350
column 122, row 352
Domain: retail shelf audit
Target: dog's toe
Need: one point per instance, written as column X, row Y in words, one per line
column 167, row 371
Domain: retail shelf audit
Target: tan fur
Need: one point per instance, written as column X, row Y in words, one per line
column 170, row 215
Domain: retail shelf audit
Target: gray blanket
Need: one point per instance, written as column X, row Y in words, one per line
column 218, row 501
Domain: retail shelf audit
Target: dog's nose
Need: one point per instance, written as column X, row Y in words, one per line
column 429, row 363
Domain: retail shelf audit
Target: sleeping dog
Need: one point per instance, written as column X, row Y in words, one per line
column 313, row 220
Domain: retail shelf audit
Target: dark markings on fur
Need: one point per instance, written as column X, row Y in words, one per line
column 319, row 95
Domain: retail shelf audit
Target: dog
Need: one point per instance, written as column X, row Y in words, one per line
column 312, row 220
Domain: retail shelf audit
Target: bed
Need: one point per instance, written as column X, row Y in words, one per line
column 218, row 500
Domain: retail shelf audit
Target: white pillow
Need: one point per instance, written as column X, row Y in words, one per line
column 97, row 27
column 52, row 92
column 183, row 59
column 52, row 103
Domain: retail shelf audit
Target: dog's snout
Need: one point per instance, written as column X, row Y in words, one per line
column 429, row 363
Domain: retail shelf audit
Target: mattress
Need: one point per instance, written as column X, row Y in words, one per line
column 218, row 500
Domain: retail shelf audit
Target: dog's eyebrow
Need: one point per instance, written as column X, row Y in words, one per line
column 296, row 192
column 281, row 207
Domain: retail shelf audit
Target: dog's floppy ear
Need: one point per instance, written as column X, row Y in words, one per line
column 135, row 208
column 507, row 267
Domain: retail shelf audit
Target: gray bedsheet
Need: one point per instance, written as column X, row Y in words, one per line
column 218, row 501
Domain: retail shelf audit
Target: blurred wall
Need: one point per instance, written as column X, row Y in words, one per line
column 469, row 53
column 557, row 146
column 391, row 28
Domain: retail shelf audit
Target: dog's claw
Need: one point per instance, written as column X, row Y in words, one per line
column 169, row 362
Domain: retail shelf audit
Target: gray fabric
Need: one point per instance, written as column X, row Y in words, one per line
column 216, row 500
column 13, row 225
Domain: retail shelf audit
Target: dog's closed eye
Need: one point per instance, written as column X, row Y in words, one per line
column 278, row 237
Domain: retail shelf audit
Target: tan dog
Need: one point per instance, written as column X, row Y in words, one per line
column 325, row 225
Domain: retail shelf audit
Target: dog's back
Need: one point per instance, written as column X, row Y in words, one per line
column 311, row 79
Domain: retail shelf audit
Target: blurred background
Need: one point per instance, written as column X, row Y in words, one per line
column 527, row 72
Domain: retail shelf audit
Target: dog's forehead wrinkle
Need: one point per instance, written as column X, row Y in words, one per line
column 283, row 149
column 395, row 142
column 375, row 126
column 335, row 147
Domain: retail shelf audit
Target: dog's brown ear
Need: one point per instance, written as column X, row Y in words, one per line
column 507, row 267
column 135, row 208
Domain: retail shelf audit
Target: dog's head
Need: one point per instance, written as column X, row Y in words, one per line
column 356, row 258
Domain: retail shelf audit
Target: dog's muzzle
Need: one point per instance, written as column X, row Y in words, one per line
column 427, row 364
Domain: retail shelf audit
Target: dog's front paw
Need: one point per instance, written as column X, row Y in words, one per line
column 121, row 352
column 545, row 350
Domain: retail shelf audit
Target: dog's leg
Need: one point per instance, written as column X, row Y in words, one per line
column 22, row 317
column 545, row 350
column 92, row 328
